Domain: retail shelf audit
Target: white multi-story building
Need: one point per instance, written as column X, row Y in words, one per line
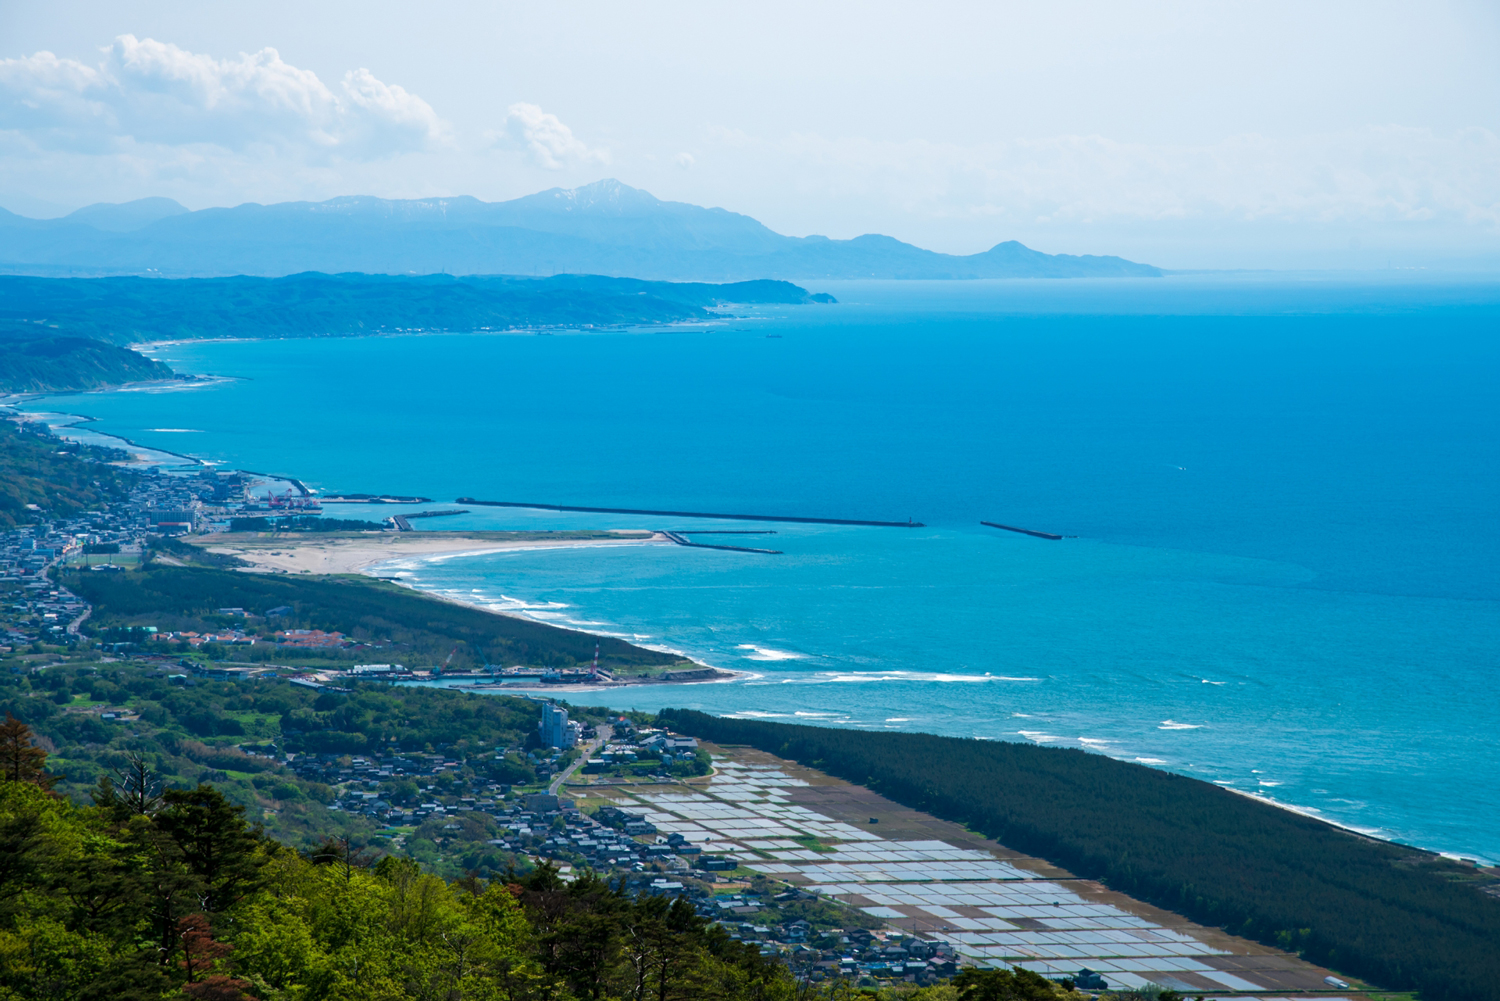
column 556, row 729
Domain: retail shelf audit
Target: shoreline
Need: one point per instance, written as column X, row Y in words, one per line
column 139, row 454
column 339, row 553
column 366, row 553
column 724, row 675
column 543, row 329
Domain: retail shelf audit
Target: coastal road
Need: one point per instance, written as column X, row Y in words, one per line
column 588, row 752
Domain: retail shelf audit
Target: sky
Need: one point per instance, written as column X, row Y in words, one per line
column 1213, row 135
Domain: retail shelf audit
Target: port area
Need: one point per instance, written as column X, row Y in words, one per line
column 934, row 880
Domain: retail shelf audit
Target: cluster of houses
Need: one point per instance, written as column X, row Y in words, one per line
column 36, row 610
column 628, row 846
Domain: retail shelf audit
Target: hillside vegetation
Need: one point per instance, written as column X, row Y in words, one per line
column 42, row 477
column 1394, row 915
column 407, row 626
column 62, row 364
column 193, row 733
column 175, row 893
column 126, row 310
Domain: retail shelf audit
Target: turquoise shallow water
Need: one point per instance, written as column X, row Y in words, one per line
column 1284, row 577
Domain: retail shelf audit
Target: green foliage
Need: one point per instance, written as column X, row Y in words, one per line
column 1386, row 912
column 423, row 629
column 1004, row 985
column 39, row 468
column 54, row 364
column 186, row 899
column 188, row 733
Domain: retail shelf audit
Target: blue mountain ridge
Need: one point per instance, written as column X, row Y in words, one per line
column 605, row 228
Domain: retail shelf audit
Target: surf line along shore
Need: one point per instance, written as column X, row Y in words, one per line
column 317, row 554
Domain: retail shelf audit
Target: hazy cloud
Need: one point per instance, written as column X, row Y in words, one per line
column 149, row 92
column 1376, row 174
column 551, row 143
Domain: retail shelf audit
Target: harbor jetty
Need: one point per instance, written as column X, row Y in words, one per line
column 791, row 519
column 1023, row 531
column 681, row 540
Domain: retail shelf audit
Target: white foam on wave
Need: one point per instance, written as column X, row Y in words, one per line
column 898, row 719
column 1268, row 783
column 766, row 653
column 1312, row 811
column 1038, row 737
column 1168, row 724
column 1094, row 741
column 1466, row 858
column 754, row 714
column 1152, row 761
column 1207, row 682
column 176, row 430
column 922, row 676
column 175, row 386
column 545, row 612
column 799, row 712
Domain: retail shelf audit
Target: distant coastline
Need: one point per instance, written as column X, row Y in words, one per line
column 129, row 310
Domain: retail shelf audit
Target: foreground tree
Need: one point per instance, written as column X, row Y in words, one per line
column 20, row 759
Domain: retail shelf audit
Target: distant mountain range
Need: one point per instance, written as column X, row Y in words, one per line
column 606, row 228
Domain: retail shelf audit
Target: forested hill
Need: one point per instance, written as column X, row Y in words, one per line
column 1387, row 913
column 57, row 364
column 42, row 478
column 129, row 309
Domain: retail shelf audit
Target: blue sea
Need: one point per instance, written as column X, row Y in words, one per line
column 1282, row 570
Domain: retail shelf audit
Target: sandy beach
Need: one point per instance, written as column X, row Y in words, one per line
column 353, row 552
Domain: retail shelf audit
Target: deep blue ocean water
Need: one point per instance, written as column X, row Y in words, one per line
column 1283, row 491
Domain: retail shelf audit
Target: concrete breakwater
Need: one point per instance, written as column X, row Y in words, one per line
column 793, row 519
column 682, row 541
column 1023, row 531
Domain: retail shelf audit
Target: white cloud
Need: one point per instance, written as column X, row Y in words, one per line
column 685, row 160
column 551, row 143
column 149, row 92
